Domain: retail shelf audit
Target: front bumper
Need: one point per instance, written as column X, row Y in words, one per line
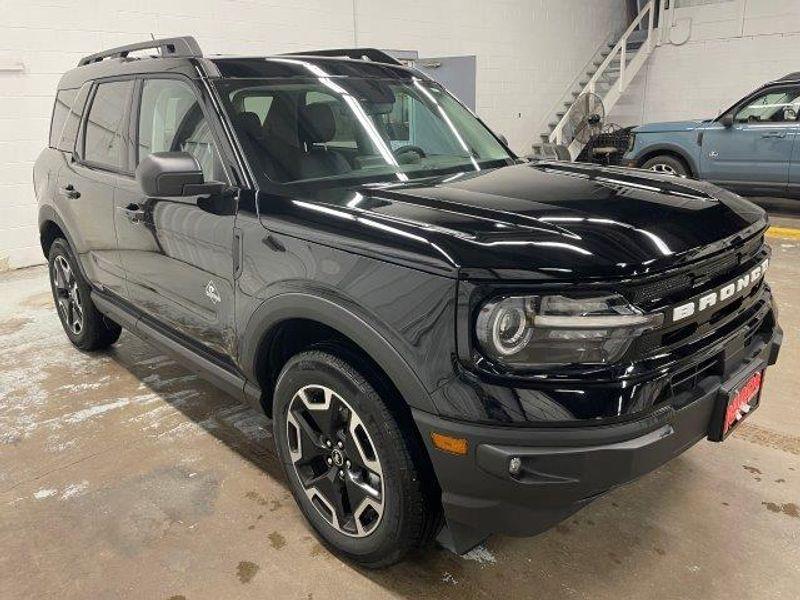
column 563, row 468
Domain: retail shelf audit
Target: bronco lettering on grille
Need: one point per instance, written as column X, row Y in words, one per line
column 725, row 292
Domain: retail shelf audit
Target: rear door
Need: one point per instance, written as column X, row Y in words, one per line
column 754, row 154
column 178, row 257
column 86, row 182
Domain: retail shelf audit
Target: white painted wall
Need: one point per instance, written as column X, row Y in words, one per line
column 733, row 46
column 528, row 51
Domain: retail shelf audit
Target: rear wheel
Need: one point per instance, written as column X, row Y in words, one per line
column 84, row 325
column 667, row 165
column 350, row 465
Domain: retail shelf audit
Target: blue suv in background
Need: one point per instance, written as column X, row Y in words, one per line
column 750, row 148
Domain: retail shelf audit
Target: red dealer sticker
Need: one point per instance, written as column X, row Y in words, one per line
column 739, row 405
column 734, row 406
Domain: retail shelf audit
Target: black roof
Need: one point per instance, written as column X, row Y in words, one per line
column 183, row 55
column 283, row 66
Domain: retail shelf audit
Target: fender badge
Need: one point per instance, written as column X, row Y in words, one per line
column 212, row 293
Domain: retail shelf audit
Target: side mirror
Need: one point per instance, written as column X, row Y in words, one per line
column 726, row 120
column 173, row 174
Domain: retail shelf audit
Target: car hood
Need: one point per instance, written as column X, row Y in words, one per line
column 669, row 126
column 546, row 219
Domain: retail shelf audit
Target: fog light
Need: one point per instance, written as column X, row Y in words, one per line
column 515, row 465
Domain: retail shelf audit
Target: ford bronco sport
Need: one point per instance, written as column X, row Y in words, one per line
column 750, row 148
column 450, row 342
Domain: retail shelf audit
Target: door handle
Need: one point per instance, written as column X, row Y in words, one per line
column 134, row 213
column 69, row 191
column 774, row 134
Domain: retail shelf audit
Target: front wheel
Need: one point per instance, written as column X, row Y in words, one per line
column 350, row 465
column 667, row 165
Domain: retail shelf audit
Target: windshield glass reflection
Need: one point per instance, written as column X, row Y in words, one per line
column 324, row 127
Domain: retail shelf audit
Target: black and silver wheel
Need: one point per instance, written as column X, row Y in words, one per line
column 666, row 165
column 335, row 460
column 84, row 325
column 68, row 300
column 357, row 475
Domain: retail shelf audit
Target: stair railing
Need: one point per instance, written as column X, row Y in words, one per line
column 560, row 105
column 626, row 71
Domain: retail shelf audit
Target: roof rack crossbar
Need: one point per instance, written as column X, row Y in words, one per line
column 185, row 46
column 372, row 54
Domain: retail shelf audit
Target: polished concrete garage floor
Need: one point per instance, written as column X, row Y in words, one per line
column 124, row 475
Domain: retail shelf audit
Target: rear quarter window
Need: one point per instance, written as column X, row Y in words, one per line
column 61, row 108
column 72, row 121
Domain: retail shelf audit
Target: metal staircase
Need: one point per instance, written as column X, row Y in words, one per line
column 608, row 74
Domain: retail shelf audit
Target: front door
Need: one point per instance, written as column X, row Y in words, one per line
column 178, row 257
column 753, row 155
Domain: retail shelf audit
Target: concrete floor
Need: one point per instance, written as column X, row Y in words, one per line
column 124, row 475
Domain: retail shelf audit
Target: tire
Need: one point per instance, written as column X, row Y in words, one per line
column 667, row 165
column 84, row 325
column 406, row 512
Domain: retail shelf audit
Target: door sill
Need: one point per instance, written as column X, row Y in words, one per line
column 215, row 370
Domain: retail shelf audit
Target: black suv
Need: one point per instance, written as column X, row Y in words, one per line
column 450, row 341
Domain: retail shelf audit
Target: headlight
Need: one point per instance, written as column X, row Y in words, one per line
column 530, row 331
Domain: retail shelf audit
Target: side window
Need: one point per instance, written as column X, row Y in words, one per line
column 72, row 124
column 171, row 120
column 774, row 106
column 104, row 141
column 61, row 109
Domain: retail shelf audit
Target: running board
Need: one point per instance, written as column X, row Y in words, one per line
column 226, row 380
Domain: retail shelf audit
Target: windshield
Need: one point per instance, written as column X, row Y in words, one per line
column 344, row 127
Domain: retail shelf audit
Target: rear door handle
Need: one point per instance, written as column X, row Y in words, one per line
column 774, row 134
column 68, row 191
column 134, row 213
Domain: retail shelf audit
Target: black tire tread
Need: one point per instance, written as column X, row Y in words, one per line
column 422, row 512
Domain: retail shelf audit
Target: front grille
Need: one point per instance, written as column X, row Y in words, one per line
column 692, row 382
column 688, row 282
column 722, row 322
column 663, row 294
column 710, row 345
column 662, row 288
column 686, row 381
column 718, row 267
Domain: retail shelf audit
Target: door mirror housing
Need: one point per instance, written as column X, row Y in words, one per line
column 726, row 120
column 173, row 174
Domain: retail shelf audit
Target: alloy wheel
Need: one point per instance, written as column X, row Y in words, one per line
column 67, row 295
column 335, row 460
column 663, row 168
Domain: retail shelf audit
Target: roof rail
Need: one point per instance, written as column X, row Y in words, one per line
column 185, row 46
column 372, row 54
